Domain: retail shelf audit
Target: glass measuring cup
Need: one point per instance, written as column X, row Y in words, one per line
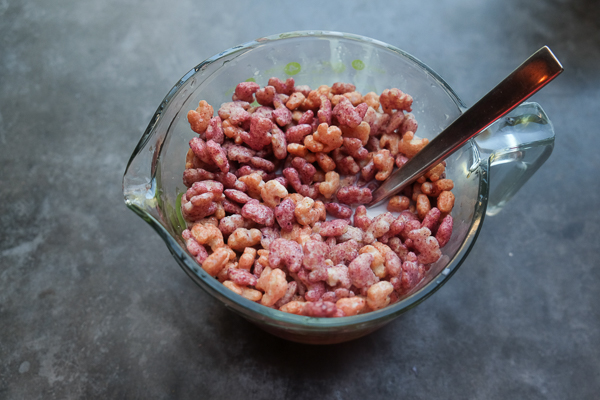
column 511, row 150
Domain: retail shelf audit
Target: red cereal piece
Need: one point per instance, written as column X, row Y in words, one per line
column 338, row 210
column 296, row 134
column 325, row 111
column 341, row 88
column 410, row 273
column 241, row 277
column 377, row 121
column 355, row 148
column 344, row 253
column 286, row 87
column 240, row 154
column 279, row 143
column 431, row 219
column 394, row 99
column 334, row 227
column 244, row 91
column 230, row 207
column 361, row 109
column 264, row 96
column 215, row 130
column 218, row 155
column 346, row 114
column 193, row 175
column 393, row 264
column 307, row 118
column 237, row 196
column 306, row 170
column 265, row 112
column 262, row 164
column 269, row 234
column 199, row 148
column 360, row 271
column 361, row 220
column 198, row 207
column 259, row 135
column 258, row 213
column 293, row 178
column 284, row 213
column 444, row 231
column 401, row 159
column 282, row 116
column 378, row 227
column 286, row 253
column 214, row 187
column 395, row 121
column 320, row 309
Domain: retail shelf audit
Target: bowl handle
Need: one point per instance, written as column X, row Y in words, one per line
column 516, row 146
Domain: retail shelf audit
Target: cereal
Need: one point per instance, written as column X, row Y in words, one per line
column 262, row 180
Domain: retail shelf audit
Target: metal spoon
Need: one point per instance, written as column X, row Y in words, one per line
column 537, row 71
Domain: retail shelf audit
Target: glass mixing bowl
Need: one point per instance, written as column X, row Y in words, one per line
column 511, row 150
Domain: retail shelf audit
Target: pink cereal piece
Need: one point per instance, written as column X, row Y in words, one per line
column 199, row 148
column 393, row 264
column 237, row 196
column 361, row 220
column 361, row 109
column 396, row 119
column 235, row 112
column 261, row 163
column 325, row 111
column 193, row 175
column 355, row 148
column 269, row 234
column 259, row 135
column 286, row 87
column 346, row 114
column 360, row 271
column 265, row 112
column 214, row 187
column 334, row 227
column 314, row 291
column 197, row 250
column 241, row 277
column 228, row 225
column 305, row 169
column 230, row 207
column 258, row 213
column 307, row 118
column 284, row 213
column 398, row 247
column 344, row 253
column 401, row 159
column 410, row 273
column 354, row 195
column 320, row 309
column 296, row 134
column 304, row 89
column 279, row 143
column 431, row 219
column 226, row 178
column 427, row 245
column 444, row 231
column 409, row 124
column 198, row 207
column 339, row 276
column 264, row 96
column 338, row 210
column 282, row 116
column 215, row 130
column 244, row 91
column 218, row 155
column 240, row 154
column 288, row 253
column 341, row 88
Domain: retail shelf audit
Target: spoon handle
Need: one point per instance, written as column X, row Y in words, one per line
column 537, row 71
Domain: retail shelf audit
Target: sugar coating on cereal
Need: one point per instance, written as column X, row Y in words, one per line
column 277, row 183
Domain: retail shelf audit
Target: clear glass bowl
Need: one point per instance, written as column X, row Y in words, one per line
column 512, row 149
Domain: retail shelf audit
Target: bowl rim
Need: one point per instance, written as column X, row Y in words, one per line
column 265, row 315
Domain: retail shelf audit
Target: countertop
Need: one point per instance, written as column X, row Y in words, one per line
column 92, row 305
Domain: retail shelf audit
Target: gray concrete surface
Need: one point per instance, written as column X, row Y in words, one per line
column 93, row 306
